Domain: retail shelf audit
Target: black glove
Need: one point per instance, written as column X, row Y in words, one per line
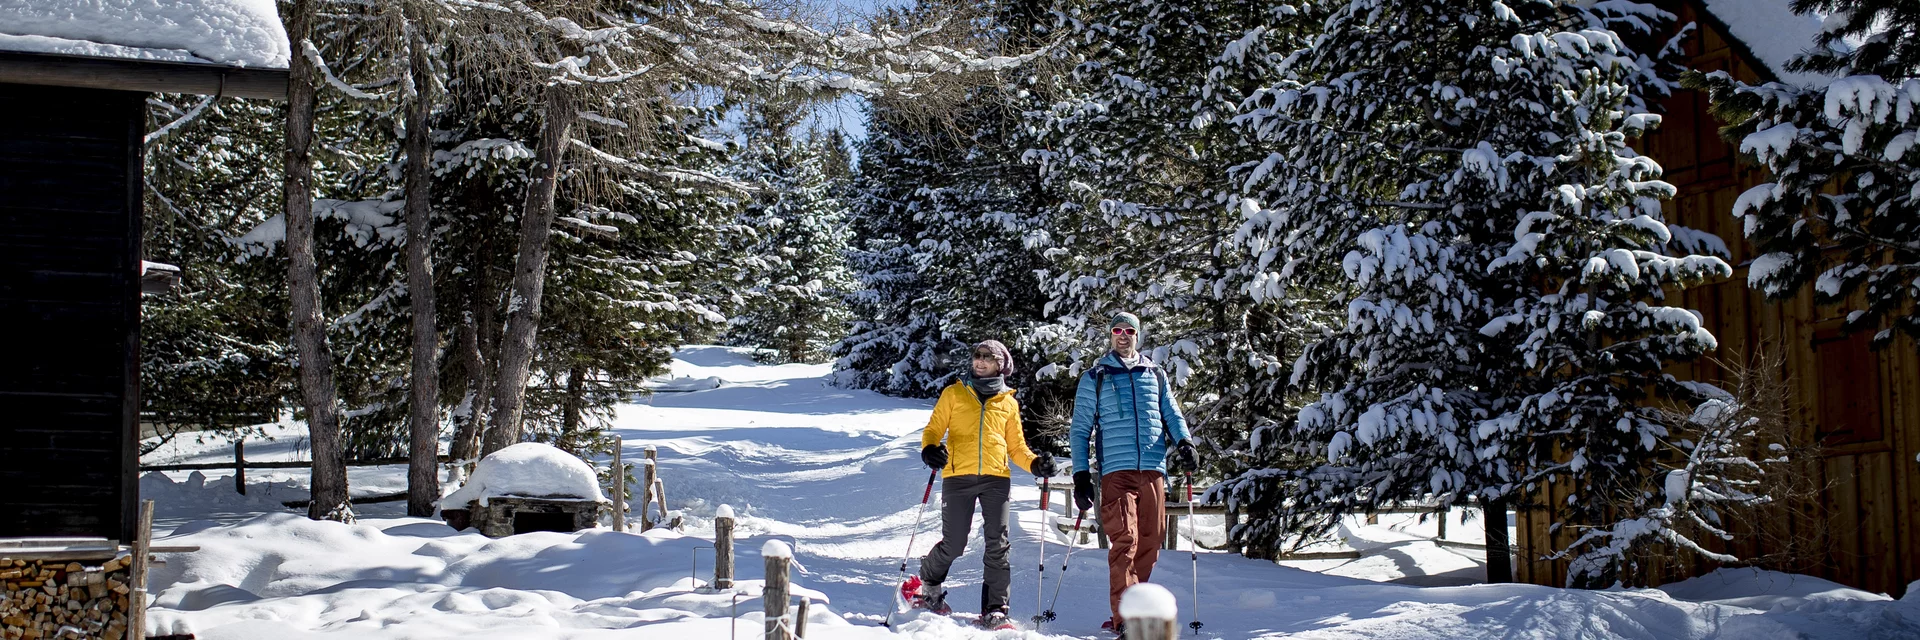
column 935, row 455
column 1044, row 467
column 1083, row 489
column 1185, row 458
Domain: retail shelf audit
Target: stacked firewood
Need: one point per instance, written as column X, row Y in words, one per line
column 60, row 599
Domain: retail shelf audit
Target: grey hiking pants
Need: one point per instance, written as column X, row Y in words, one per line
column 957, row 497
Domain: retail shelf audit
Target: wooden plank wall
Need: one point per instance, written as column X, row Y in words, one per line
column 1862, row 406
column 69, row 309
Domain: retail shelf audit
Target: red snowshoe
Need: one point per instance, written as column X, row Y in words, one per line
column 1119, row 629
column 919, row 595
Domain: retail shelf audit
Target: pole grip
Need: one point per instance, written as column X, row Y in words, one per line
column 929, row 492
column 1189, row 490
column 1045, row 491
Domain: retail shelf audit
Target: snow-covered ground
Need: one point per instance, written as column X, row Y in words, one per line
column 836, row 474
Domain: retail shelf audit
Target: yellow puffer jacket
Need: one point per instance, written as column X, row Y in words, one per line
column 980, row 436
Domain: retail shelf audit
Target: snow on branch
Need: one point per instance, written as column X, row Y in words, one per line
column 320, row 62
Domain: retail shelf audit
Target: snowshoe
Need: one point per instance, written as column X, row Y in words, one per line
column 920, row 595
column 1119, row 629
column 997, row 620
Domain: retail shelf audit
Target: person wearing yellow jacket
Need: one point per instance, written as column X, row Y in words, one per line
column 974, row 438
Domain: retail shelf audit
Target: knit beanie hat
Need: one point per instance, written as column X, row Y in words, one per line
column 1000, row 353
column 1126, row 319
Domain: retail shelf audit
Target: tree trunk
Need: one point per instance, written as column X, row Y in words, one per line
column 423, row 472
column 329, row 483
column 480, row 347
column 570, row 410
column 529, row 273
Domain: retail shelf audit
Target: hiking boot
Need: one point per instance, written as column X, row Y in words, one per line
column 932, row 598
column 996, row 619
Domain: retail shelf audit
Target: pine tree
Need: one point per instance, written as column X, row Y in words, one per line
column 1502, row 260
column 795, row 303
column 897, row 342
column 1142, row 142
column 1857, row 133
column 950, row 225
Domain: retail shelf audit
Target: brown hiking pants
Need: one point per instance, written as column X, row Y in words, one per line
column 1133, row 513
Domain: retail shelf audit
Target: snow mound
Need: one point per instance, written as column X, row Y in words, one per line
column 528, row 469
column 1148, row 600
column 245, row 33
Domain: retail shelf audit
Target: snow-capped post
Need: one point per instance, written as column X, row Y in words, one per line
column 646, row 492
column 779, row 557
column 723, row 547
column 1150, row 612
column 619, row 487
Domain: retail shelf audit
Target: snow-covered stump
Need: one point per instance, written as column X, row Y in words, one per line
column 779, row 558
column 723, row 547
column 1150, row 612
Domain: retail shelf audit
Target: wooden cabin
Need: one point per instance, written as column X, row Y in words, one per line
column 73, row 116
column 1862, row 406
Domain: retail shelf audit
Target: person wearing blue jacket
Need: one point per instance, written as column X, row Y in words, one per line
column 1125, row 425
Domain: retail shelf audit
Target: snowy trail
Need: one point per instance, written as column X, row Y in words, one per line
column 837, row 473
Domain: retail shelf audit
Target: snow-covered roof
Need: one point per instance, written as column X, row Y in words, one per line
column 1772, row 32
column 239, row 33
column 528, row 469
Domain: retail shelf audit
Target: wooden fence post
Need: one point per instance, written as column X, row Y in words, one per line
column 240, row 466
column 142, row 545
column 1150, row 612
column 723, row 547
column 800, row 619
column 779, row 557
column 646, row 495
column 1443, row 523
column 619, row 487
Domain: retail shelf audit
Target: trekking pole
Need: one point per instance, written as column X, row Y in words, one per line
column 924, row 497
column 1048, row 614
column 1193, row 549
column 1040, row 586
column 922, row 512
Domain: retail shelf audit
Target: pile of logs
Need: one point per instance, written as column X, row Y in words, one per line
column 61, row 599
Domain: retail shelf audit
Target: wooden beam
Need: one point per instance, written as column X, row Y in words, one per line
column 142, row 75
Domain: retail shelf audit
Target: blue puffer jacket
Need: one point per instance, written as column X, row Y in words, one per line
column 1138, row 418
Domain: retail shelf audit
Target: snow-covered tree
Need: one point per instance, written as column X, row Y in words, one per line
column 795, row 302
column 1142, row 142
column 949, row 225
column 1502, row 259
column 1857, row 133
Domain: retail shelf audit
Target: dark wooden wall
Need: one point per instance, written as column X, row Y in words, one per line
column 1861, row 406
column 70, row 188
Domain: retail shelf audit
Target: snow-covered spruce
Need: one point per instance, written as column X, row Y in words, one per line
column 795, row 285
column 1857, row 130
column 949, row 227
column 1141, row 144
column 1501, row 260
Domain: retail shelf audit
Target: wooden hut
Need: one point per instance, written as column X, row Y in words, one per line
column 74, row 80
column 1861, row 406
